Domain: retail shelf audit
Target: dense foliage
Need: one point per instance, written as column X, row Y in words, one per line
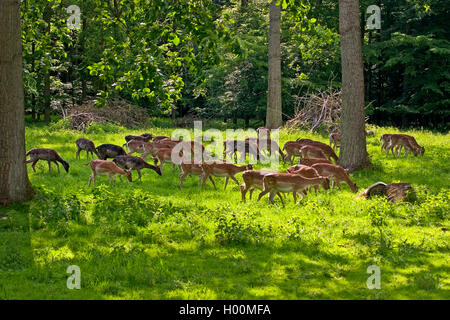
column 209, row 58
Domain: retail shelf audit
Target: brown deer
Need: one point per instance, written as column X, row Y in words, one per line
column 135, row 163
column 307, row 172
column 336, row 173
column 385, row 141
column 407, row 142
column 106, row 168
column 310, row 161
column 143, row 137
column 49, row 155
column 88, row 145
column 164, row 155
column 254, row 179
column 292, row 148
column 287, row 182
column 191, row 168
column 110, row 151
column 335, row 140
column 223, row 169
column 312, row 151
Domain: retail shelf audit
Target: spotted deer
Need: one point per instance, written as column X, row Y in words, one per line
column 336, row 173
column 88, row 145
column 254, row 179
column 288, row 182
column 106, row 168
column 223, row 169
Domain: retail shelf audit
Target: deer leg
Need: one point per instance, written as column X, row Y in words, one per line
column 251, row 192
column 49, row 166
column 139, row 174
column 243, row 192
column 78, row 154
column 264, row 192
column 226, row 182
column 182, row 176
column 212, row 181
column 271, row 196
column 57, row 165
column 34, row 164
column 279, row 196
column 294, row 194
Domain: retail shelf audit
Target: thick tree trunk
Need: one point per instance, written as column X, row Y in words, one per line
column 353, row 153
column 14, row 186
column 273, row 115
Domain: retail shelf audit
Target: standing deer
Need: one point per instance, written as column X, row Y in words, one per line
column 110, row 151
column 49, row 155
column 254, row 179
column 106, row 168
column 287, row 182
column 88, row 145
column 336, row 173
column 135, row 163
column 223, row 169
column 191, row 168
column 310, row 161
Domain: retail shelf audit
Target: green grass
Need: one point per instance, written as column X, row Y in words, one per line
column 150, row 240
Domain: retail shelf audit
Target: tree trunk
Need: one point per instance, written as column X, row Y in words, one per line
column 47, row 97
column 353, row 153
column 273, row 115
column 14, row 186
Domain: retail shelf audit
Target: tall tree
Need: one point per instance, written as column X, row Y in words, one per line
column 353, row 154
column 14, row 186
column 273, row 115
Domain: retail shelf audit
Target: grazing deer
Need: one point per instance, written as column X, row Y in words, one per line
column 135, row 163
column 88, row 145
column 250, row 145
column 310, row 161
column 307, row 172
column 223, row 169
column 329, row 152
column 335, row 140
column 136, row 146
column 143, row 137
column 106, row 168
column 409, row 143
column 336, row 173
column 254, row 179
column 46, row 154
column 188, row 168
column 287, row 182
column 110, row 151
column 292, row 149
column 164, row 155
column 312, row 151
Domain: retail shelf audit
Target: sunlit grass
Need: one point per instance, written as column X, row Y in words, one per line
column 169, row 243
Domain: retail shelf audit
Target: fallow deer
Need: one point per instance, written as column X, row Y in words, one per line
column 335, row 140
column 307, row 172
column 287, row 182
column 135, row 163
column 49, row 155
column 407, row 142
column 312, row 151
column 88, row 145
column 164, row 155
column 143, row 137
column 223, row 169
column 110, row 151
column 191, row 168
column 254, row 179
column 106, row 168
column 336, row 173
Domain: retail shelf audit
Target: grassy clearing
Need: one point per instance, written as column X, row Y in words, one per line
column 150, row 240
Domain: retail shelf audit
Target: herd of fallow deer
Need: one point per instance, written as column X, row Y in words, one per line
column 314, row 169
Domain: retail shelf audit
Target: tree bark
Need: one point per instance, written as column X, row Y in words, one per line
column 273, row 113
column 353, row 153
column 47, row 96
column 15, row 185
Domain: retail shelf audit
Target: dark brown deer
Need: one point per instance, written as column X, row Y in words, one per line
column 49, row 155
column 88, row 145
column 110, row 151
column 135, row 163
